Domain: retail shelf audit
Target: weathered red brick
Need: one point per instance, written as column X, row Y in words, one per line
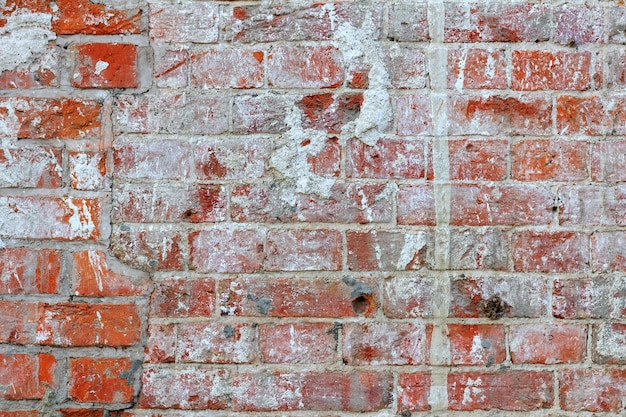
column 578, row 24
column 97, row 276
column 476, row 344
column 599, row 297
column 595, row 390
column 548, row 344
column 608, row 343
column 608, row 161
column 106, row 65
column 485, row 249
column 20, row 413
column 540, row 70
column 43, row 71
column 299, row 342
column 614, row 212
column 232, row 159
column 408, row 297
column 328, row 391
column 416, row 205
column 593, row 115
column 178, row 297
column 580, row 204
column 261, row 113
column 330, row 112
column 245, row 68
column 187, row 388
column 616, row 70
column 304, row 67
column 609, row 251
column 88, row 170
column 499, row 115
column 413, row 114
column 408, row 22
column 171, row 65
column 163, row 159
column 413, row 392
column 467, row 391
column 155, row 247
column 18, row 322
column 385, row 344
column 303, row 250
column 101, row 380
column 388, row 158
column 406, row 66
column 161, row 343
column 27, row 271
column 475, row 205
column 26, row 377
column 227, row 250
column 477, row 69
column 550, row 251
column 73, row 17
column 478, row 159
column 81, row 412
column 216, row 343
column 81, row 324
column 295, row 297
column 387, row 250
column 616, row 23
column 191, row 22
column 496, row 22
column 549, row 159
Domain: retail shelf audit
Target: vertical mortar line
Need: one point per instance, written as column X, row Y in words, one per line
column 440, row 349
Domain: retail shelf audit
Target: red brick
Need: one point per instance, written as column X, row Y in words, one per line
column 507, row 390
column 408, row 297
column 97, row 276
column 187, row 388
column 388, row 158
column 105, row 65
column 548, row 159
column 77, row 324
column 303, row 250
column 329, row 391
column 477, row 69
column 232, row 159
column 73, row 17
column 26, row 377
column 347, row 203
column 42, row 71
column 88, row 170
column 273, row 22
column 413, row 115
column 18, row 321
column 171, row 66
column 178, row 297
column 548, row 344
column 599, row 297
column 161, row 343
column 387, row 250
column 614, row 207
column 191, row 22
column 578, row 24
column 22, row 413
column 521, row 297
column 476, row 344
column 539, row 70
column 171, row 112
column 616, row 70
column 385, row 344
column 413, row 392
column 26, row 271
column 222, row 250
column 81, row 412
column 550, row 251
column 608, row 161
column 66, row 218
column 327, row 162
column 593, row 116
column 608, row 343
column 498, row 115
column 616, row 23
column 329, row 112
column 595, row 390
column 580, row 205
column 260, row 114
column 478, row 159
column 155, row 248
column 496, row 22
column 485, row 249
column 416, row 205
column 304, row 67
column 164, row 203
column 216, row 343
column 291, row 297
column 101, row 380
column 245, row 68
column 47, row 118
column 609, row 251
column 298, row 342
column 475, row 205
column 163, row 159
column 408, row 22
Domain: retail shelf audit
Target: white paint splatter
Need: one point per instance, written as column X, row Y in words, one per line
column 81, row 223
column 101, row 66
column 23, row 38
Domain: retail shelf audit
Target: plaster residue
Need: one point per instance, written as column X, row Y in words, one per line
column 291, row 159
column 376, row 113
column 23, row 38
column 611, row 342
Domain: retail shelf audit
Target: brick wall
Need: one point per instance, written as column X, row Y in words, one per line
column 213, row 208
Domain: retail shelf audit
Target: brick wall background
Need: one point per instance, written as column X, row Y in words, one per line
column 220, row 208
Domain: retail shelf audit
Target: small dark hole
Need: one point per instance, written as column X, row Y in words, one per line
column 360, row 305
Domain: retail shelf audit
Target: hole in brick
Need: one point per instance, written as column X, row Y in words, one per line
column 494, row 308
column 360, row 305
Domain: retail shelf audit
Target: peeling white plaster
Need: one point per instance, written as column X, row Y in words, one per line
column 24, row 37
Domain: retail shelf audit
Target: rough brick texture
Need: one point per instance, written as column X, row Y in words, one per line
column 300, row 208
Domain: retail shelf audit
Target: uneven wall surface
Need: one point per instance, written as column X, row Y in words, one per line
column 220, row 208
